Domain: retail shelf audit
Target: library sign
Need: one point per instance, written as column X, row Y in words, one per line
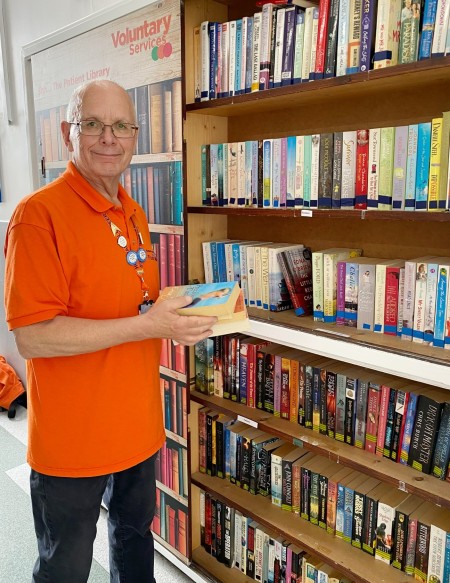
column 140, row 48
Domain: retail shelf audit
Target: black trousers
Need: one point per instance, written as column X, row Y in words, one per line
column 66, row 511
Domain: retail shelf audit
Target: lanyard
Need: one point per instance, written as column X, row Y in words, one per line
column 135, row 259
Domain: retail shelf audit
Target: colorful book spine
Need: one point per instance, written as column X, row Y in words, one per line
column 435, row 163
column 362, row 169
column 423, row 165
column 349, row 142
column 386, row 168
column 411, row 164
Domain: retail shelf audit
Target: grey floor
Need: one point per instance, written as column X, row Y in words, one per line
column 17, row 542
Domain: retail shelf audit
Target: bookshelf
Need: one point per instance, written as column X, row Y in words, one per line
column 398, row 95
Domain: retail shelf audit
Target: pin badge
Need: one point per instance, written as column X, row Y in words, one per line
column 132, row 257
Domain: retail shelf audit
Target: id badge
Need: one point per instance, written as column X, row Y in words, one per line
column 145, row 307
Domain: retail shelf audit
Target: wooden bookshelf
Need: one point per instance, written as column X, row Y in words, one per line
column 400, row 476
column 394, row 96
column 358, row 566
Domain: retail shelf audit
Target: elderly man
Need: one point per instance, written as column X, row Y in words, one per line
column 80, row 280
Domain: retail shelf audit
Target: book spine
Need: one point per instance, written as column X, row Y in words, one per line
column 399, row 173
column 337, row 170
column 408, row 429
column 348, row 169
column 325, row 170
column 435, row 162
column 331, row 45
column 298, row 48
column 387, row 140
column 411, row 167
column 368, row 25
column 391, row 299
column 382, row 418
column 423, row 164
column 343, row 34
column 322, row 34
column 289, row 46
column 257, row 23
column 354, row 37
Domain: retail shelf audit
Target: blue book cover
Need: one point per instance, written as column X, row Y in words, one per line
column 340, row 511
column 237, row 75
column 441, row 306
column 351, row 293
column 221, row 262
column 235, row 254
column 177, row 196
column 409, row 424
column 426, row 35
column 447, row 558
column 411, row 167
column 213, row 59
column 348, row 514
column 423, row 165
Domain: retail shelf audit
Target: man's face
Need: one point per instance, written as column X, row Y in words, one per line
column 102, row 157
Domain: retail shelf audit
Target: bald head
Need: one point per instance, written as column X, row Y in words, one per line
column 74, row 108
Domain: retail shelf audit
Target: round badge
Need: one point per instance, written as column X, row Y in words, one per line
column 122, row 242
column 142, row 254
column 132, row 257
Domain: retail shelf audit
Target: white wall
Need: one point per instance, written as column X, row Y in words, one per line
column 25, row 21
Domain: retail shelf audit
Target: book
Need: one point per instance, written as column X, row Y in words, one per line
column 223, row 299
column 425, row 432
column 400, row 532
column 296, row 267
column 387, row 33
column 387, row 505
column 441, row 456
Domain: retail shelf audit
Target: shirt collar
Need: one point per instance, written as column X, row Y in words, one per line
column 93, row 198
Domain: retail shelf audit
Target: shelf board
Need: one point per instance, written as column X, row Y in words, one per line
column 171, row 549
column 175, row 437
column 402, row 477
column 366, row 215
column 358, row 566
column 157, row 158
column 408, row 360
column 219, row 571
column 173, row 374
column 169, row 229
column 391, row 79
column 181, row 499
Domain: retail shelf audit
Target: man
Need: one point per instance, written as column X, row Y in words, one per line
column 80, row 279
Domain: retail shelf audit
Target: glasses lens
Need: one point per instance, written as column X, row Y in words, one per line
column 91, row 127
column 123, row 130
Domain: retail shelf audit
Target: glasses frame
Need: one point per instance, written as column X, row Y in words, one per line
column 105, row 125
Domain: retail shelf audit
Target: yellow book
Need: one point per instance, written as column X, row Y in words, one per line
column 445, row 150
column 435, row 163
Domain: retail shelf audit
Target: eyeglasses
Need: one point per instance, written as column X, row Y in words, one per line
column 93, row 127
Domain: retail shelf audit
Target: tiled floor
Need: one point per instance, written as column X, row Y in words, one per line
column 17, row 542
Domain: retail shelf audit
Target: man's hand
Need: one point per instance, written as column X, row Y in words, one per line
column 163, row 321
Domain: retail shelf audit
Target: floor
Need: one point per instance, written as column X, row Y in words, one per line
column 17, row 542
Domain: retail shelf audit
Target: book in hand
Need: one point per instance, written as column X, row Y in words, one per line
column 223, row 299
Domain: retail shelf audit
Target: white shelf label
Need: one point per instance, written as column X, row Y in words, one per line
column 306, row 213
column 247, row 421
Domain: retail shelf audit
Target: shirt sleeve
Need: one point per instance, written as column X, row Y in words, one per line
column 35, row 285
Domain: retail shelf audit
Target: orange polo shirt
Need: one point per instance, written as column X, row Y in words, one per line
column 97, row 413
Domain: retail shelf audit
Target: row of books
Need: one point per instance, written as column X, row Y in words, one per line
column 173, row 356
column 242, row 543
column 404, row 421
column 169, row 249
column 389, row 168
column 409, row 299
column 174, row 399
column 171, row 522
column 259, row 268
column 171, row 468
column 394, row 526
column 159, row 117
column 158, row 189
column 49, row 138
column 284, row 45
